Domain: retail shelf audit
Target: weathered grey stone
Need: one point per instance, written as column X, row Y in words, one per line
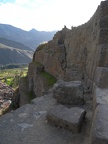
column 99, row 130
column 103, row 38
column 101, row 77
column 28, row 125
column 24, row 91
column 100, row 96
column 104, row 22
column 104, row 8
column 103, row 58
column 69, row 92
column 67, row 118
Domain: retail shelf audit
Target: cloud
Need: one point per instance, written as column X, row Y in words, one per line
column 46, row 14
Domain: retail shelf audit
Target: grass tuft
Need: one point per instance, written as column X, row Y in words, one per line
column 51, row 80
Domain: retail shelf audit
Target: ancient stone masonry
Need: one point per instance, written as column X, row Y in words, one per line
column 78, row 59
column 81, row 54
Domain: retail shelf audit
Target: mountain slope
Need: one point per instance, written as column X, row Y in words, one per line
column 14, row 44
column 30, row 38
column 9, row 55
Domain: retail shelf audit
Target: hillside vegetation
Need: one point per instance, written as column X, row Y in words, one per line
column 12, row 76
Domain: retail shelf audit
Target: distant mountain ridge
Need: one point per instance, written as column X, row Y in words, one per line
column 17, row 45
column 30, row 38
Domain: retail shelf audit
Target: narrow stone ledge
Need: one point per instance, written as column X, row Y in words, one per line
column 99, row 130
column 66, row 118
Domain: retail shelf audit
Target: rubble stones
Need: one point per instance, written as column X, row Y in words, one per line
column 67, row 118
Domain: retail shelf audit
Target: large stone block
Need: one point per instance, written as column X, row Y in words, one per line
column 69, row 92
column 67, row 118
column 101, row 77
column 99, row 130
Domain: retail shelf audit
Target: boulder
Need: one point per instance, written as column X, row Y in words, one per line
column 69, row 92
column 67, row 118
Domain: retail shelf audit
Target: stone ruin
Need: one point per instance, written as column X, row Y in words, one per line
column 75, row 110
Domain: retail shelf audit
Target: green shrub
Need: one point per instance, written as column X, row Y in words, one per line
column 51, row 80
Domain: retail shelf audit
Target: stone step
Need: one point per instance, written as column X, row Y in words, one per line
column 28, row 125
column 67, row 118
column 69, row 92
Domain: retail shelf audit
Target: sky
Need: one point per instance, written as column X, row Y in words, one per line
column 46, row 15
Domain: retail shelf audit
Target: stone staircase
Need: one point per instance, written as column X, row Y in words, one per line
column 32, row 123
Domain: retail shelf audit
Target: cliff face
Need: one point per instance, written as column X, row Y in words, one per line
column 72, row 54
column 75, row 54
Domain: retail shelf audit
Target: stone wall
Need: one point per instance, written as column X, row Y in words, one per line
column 82, row 54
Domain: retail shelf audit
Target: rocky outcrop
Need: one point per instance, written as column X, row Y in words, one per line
column 72, row 53
column 40, row 81
column 79, row 54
